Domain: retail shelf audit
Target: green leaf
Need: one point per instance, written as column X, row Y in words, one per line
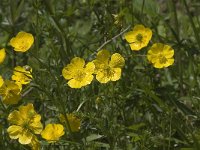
column 93, row 137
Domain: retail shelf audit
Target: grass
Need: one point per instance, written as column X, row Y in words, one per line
column 147, row 109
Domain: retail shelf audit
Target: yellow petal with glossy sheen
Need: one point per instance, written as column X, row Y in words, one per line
column 138, row 27
column 102, row 77
column 158, row 65
column 14, row 131
column 21, row 76
column 117, row 61
column 2, row 55
column 130, row 37
column 89, row 69
column 25, row 137
column 103, row 56
column 77, row 62
column 1, row 81
column 87, row 80
column 169, row 62
column 116, row 74
column 16, row 118
column 148, row 34
column 68, row 72
column 135, row 46
column 53, row 132
column 74, row 83
column 168, row 52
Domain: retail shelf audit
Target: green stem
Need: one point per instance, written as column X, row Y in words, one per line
column 196, row 33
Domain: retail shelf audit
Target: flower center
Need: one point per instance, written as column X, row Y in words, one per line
column 139, row 37
column 80, row 75
column 162, row 59
column 109, row 71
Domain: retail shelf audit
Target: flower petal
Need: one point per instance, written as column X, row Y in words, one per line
column 2, row 55
column 25, row 137
column 116, row 74
column 14, row 131
column 102, row 77
column 117, row 61
column 74, row 83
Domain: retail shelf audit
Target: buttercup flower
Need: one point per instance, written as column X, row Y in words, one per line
column 160, row 55
column 78, row 73
column 22, row 42
column 107, row 69
column 2, row 55
column 53, row 132
column 74, row 121
column 21, row 75
column 25, row 124
column 10, row 92
column 139, row 37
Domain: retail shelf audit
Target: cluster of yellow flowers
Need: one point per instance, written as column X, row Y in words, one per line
column 105, row 67
column 160, row 55
column 108, row 68
column 25, row 123
column 10, row 90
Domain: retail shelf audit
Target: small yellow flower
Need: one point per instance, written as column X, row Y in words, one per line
column 53, row 132
column 74, row 122
column 107, row 69
column 21, row 75
column 25, row 123
column 2, row 55
column 139, row 37
column 10, row 92
column 78, row 73
column 22, row 42
column 160, row 55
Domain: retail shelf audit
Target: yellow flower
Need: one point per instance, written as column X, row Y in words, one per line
column 2, row 55
column 25, row 124
column 74, row 121
column 139, row 37
column 160, row 55
column 1, row 81
column 107, row 69
column 53, row 132
column 21, row 75
column 22, row 42
column 78, row 73
column 10, row 92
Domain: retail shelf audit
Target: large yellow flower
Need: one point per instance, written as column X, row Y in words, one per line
column 10, row 92
column 22, row 75
column 2, row 55
column 139, row 37
column 107, row 69
column 22, row 42
column 25, row 124
column 160, row 55
column 78, row 73
column 53, row 132
column 74, row 121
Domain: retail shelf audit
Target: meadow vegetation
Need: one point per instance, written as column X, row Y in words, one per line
column 100, row 74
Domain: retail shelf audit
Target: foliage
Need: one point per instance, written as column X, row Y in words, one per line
column 146, row 109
